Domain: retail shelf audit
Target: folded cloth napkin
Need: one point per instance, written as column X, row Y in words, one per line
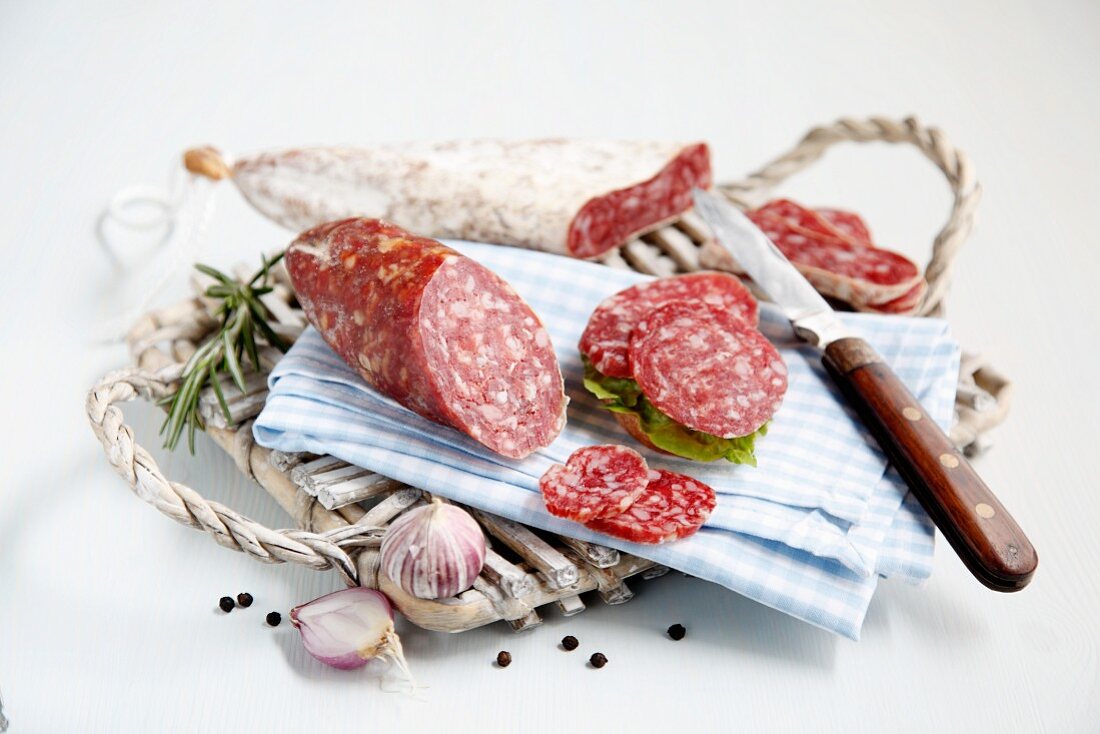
column 808, row 531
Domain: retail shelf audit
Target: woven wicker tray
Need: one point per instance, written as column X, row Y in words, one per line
column 525, row 569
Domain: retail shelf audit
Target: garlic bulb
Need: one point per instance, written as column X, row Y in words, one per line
column 433, row 552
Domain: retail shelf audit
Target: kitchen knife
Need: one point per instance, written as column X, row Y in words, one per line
column 978, row 527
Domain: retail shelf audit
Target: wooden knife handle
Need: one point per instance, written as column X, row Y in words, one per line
column 978, row 527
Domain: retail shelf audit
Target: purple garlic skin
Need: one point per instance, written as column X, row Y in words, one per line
column 433, row 552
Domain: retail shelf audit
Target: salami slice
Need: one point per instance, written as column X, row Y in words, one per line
column 848, row 224
column 572, row 197
column 886, row 272
column 798, row 217
column 673, row 506
column 819, row 223
column 432, row 329
column 595, row 482
column 707, row 369
column 833, row 249
column 904, row 304
column 606, row 339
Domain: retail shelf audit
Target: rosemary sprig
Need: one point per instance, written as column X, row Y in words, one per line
column 241, row 315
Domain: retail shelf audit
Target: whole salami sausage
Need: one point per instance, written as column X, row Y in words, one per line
column 432, row 329
column 571, row 197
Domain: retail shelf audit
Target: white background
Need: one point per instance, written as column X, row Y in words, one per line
column 107, row 609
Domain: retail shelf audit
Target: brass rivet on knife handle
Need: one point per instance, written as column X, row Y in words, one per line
column 983, row 534
column 207, row 161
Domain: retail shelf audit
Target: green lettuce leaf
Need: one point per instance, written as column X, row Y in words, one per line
column 623, row 395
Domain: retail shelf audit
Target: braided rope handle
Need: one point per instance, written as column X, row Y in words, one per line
column 954, row 164
column 229, row 528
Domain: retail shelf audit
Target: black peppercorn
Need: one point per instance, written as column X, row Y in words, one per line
column 598, row 660
column 226, row 603
column 274, row 619
column 244, row 599
column 569, row 642
column 677, row 631
column 504, row 658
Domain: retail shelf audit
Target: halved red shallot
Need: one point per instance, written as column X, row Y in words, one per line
column 348, row 628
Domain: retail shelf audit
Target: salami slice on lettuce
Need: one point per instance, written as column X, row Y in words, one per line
column 623, row 396
column 609, row 355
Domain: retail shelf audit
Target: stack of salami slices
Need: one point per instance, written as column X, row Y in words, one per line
column 683, row 367
column 612, row 490
column 835, row 251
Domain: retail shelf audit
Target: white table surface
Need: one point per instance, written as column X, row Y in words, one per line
column 107, row 609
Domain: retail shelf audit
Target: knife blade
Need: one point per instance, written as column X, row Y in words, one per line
column 981, row 531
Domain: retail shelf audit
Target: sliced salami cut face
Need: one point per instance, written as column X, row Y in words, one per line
column 614, row 218
column 491, row 359
column 606, row 339
column 848, row 224
column 819, row 223
column 433, row 330
column 595, row 482
column 799, row 218
column 707, row 370
column 673, row 506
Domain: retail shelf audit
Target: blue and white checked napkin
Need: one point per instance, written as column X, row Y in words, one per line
column 808, row 531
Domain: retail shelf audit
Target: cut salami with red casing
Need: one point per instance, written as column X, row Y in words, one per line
column 432, row 329
column 673, row 506
column 606, row 338
column 707, row 370
column 595, row 482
